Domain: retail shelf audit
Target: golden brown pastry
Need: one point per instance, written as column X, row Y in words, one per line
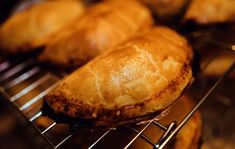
column 166, row 9
column 211, row 11
column 141, row 76
column 32, row 27
column 219, row 65
column 188, row 137
column 105, row 25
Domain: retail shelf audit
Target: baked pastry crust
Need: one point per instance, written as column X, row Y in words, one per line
column 33, row 27
column 141, row 76
column 211, row 11
column 105, row 25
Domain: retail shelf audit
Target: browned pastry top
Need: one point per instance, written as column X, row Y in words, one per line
column 143, row 75
column 32, row 27
column 211, row 11
column 105, row 25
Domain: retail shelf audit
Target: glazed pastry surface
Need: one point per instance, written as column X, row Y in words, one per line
column 141, row 76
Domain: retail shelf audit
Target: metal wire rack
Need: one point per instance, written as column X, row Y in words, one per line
column 24, row 83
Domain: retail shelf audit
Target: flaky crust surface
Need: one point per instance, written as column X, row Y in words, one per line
column 211, row 11
column 105, row 25
column 141, row 76
column 33, row 27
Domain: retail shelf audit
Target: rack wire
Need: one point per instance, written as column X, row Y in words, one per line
column 31, row 76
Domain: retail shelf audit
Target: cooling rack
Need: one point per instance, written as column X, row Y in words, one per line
column 24, row 83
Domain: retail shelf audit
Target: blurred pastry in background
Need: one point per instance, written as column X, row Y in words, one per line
column 166, row 9
column 140, row 77
column 32, row 28
column 188, row 137
column 211, row 11
column 105, row 25
column 219, row 65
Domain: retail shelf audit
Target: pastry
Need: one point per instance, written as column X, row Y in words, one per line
column 188, row 137
column 211, row 11
column 33, row 27
column 105, row 25
column 166, row 9
column 139, row 77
